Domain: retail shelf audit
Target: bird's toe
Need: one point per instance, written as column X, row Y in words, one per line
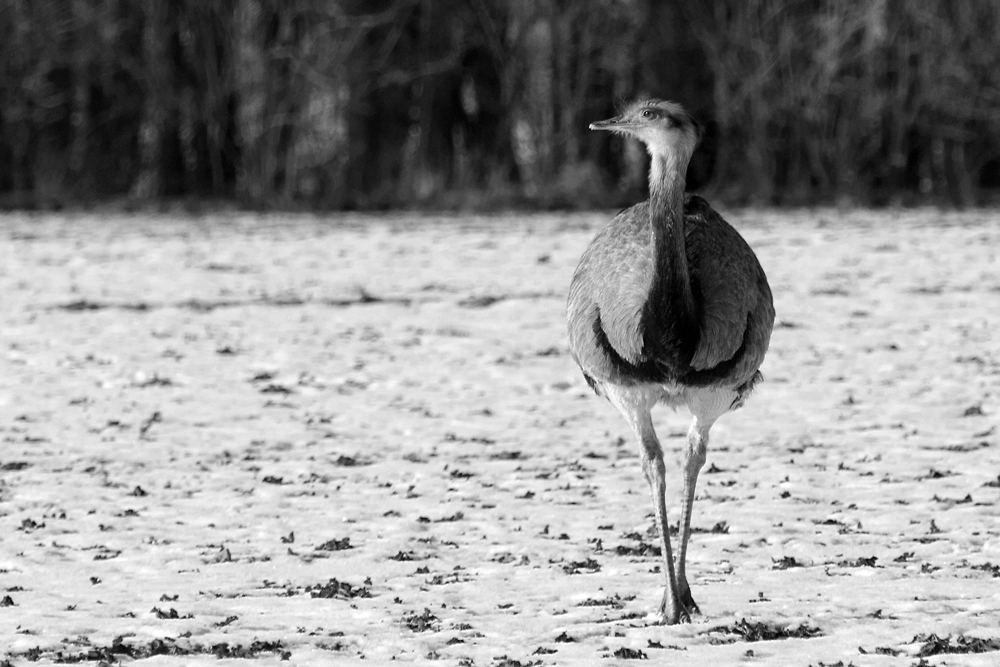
column 688, row 604
column 676, row 617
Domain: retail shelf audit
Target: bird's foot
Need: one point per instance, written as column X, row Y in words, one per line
column 687, row 602
column 674, row 611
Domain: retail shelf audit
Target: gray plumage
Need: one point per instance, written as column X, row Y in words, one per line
column 669, row 305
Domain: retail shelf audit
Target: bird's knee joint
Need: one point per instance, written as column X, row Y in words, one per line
column 652, row 465
column 694, row 464
column 696, row 453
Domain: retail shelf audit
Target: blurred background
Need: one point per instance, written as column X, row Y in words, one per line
column 484, row 104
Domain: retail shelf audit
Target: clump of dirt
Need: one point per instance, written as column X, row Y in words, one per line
column 859, row 562
column 335, row 544
column 626, row 653
column 576, row 567
column 422, row 622
column 338, row 589
column 786, row 562
column 111, row 653
column 934, row 645
column 765, row 632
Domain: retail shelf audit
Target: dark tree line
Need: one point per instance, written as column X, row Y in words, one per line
column 376, row 103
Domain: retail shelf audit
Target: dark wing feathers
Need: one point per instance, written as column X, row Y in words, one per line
column 724, row 278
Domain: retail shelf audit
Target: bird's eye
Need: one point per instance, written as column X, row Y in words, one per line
column 647, row 114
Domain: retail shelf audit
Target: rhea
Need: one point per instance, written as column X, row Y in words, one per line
column 669, row 305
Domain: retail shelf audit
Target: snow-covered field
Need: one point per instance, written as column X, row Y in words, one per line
column 351, row 440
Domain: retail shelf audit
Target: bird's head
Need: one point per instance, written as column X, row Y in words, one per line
column 665, row 127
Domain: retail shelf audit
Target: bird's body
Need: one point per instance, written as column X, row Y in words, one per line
column 612, row 320
column 669, row 305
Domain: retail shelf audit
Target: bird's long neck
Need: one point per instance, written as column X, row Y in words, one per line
column 666, row 210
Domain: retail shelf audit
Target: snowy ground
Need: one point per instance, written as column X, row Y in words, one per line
column 328, row 440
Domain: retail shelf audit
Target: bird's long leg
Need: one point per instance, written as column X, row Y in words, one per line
column 635, row 406
column 671, row 608
column 694, row 459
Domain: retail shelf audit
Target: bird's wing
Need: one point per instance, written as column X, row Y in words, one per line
column 724, row 274
column 610, row 288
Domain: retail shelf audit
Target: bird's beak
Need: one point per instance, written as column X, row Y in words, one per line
column 609, row 124
column 612, row 124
